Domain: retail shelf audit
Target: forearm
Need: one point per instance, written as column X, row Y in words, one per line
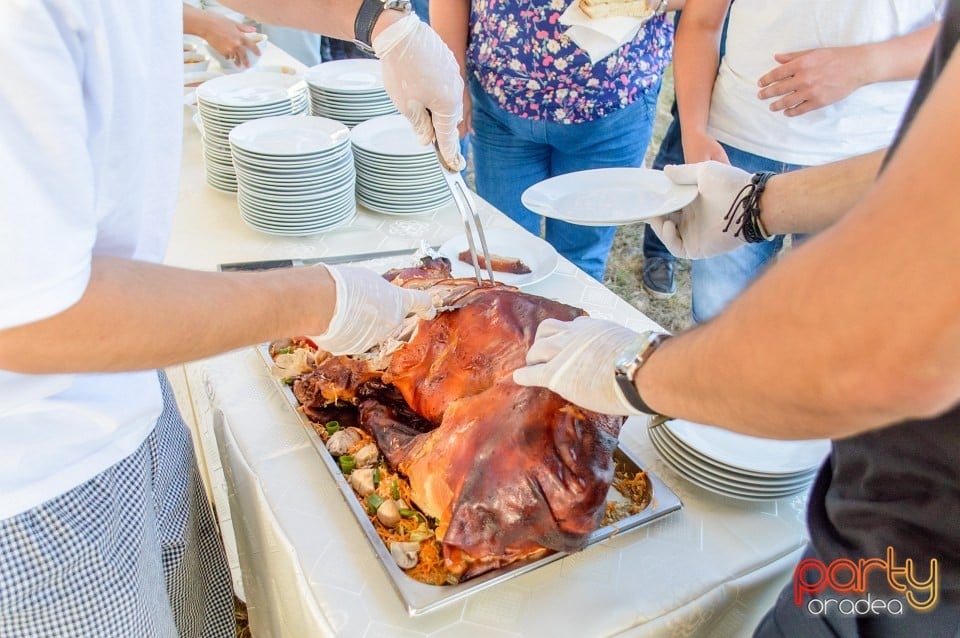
column 333, row 18
column 696, row 57
column 852, row 331
column 135, row 315
column 451, row 21
column 809, row 200
column 899, row 58
column 194, row 20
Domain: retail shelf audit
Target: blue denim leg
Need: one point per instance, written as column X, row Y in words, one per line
column 716, row 281
column 670, row 152
column 513, row 153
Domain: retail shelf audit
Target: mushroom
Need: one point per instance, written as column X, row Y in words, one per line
column 367, row 456
column 407, row 555
column 389, row 513
column 361, row 480
column 341, row 441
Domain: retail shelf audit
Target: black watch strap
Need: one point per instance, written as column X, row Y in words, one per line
column 367, row 16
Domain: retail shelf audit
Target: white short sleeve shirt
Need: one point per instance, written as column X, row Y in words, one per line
column 90, row 108
column 864, row 121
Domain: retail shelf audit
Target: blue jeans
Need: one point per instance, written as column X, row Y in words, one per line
column 670, row 152
column 717, row 280
column 512, row 154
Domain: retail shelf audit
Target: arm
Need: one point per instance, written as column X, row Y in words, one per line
column 807, row 80
column 221, row 33
column 451, row 21
column 134, row 315
column 695, row 70
column 841, row 337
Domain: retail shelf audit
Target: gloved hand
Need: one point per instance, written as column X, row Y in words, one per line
column 696, row 231
column 576, row 359
column 368, row 309
column 423, row 79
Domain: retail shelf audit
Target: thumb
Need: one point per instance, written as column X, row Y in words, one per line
column 530, row 375
column 420, row 119
column 670, row 236
column 682, row 173
column 419, row 303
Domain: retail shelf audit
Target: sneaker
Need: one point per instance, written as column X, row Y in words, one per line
column 658, row 278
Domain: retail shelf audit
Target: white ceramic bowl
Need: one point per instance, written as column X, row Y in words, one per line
column 195, row 61
column 193, row 43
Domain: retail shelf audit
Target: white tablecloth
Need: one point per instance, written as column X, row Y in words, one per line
column 711, row 569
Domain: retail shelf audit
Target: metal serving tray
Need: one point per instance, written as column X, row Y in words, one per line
column 420, row 598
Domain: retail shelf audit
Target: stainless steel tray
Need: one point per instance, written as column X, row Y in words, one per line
column 420, row 598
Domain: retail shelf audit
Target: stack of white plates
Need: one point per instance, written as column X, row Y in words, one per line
column 229, row 100
column 349, row 91
column 295, row 174
column 396, row 174
column 736, row 465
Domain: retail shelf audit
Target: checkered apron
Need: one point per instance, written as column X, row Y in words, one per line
column 133, row 552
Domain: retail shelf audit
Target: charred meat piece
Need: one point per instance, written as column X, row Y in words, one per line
column 512, row 265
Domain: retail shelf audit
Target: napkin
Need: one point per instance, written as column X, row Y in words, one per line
column 599, row 37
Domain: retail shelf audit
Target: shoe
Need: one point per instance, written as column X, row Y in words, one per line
column 658, row 278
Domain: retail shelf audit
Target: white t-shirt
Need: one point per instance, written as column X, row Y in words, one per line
column 90, row 108
column 864, row 121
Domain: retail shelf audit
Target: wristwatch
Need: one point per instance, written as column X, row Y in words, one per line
column 367, row 16
column 630, row 360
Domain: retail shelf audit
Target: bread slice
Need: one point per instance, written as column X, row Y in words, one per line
column 608, row 8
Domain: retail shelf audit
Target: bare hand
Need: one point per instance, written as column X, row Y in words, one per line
column 807, row 80
column 227, row 38
column 702, row 148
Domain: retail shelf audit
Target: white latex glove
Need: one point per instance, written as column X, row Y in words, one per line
column 697, row 232
column 576, row 359
column 423, row 79
column 368, row 309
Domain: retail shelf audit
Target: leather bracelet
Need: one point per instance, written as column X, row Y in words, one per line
column 747, row 201
column 367, row 17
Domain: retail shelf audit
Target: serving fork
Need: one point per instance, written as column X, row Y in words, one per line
column 467, row 208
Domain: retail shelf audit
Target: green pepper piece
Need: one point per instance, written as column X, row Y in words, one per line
column 374, row 501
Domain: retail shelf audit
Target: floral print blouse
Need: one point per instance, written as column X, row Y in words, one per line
column 519, row 54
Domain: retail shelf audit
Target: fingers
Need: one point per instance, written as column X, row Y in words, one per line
column 682, row 173
column 420, row 304
column 669, row 234
column 535, row 375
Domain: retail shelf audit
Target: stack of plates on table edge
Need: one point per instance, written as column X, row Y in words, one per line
column 295, row 174
column 737, row 465
column 229, row 100
column 396, row 174
column 349, row 91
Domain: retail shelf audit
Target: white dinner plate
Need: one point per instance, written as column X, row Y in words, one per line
column 347, row 76
column 287, row 135
column 721, row 488
column 748, row 453
column 389, row 135
column 608, row 196
column 536, row 253
column 250, row 90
